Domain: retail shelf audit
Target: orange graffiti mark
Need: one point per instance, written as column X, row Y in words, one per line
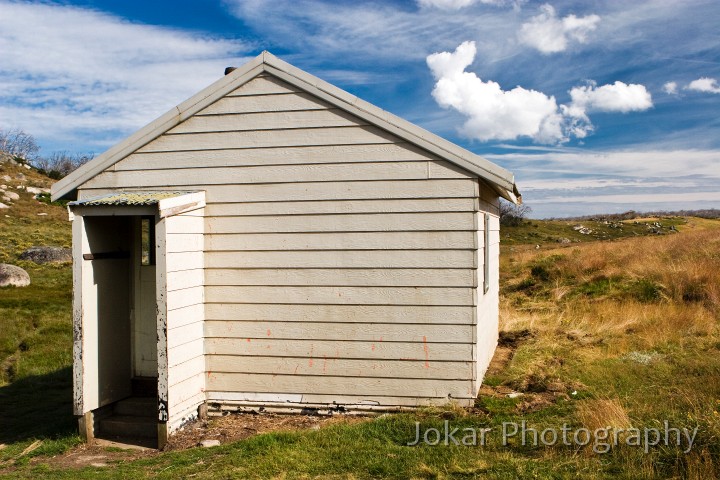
column 373, row 347
column 310, row 361
column 427, row 352
column 269, row 332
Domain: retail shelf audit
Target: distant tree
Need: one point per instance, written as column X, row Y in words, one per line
column 512, row 214
column 19, row 144
column 60, row 164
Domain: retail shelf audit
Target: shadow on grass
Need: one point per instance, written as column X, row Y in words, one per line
column 37, row 407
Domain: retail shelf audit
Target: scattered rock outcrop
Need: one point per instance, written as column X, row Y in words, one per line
column 11, row 275
column 42, row 255
column 11, row 196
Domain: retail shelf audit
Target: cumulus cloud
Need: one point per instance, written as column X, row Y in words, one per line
column 493, row 113
column 550, row 34
column 618, row 97
column 704, row 84
column 497, row 114
column 78, row 76
column 671, row 88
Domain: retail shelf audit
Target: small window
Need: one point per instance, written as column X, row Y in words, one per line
column 147, row 241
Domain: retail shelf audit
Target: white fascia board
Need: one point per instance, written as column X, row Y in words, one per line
column 181, row 204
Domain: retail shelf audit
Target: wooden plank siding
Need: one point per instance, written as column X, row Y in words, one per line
column 340, row 262
column 184, row 264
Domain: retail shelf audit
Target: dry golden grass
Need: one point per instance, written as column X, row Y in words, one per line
column 658, row 289
column 600, row 413
column 635, row 323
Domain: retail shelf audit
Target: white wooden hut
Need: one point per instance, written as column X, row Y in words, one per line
column 276, row 242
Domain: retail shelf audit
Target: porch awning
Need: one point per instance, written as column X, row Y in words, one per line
column 127, row 199
column 167, row 202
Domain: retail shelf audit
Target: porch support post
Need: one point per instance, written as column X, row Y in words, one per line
column 85, row 420
column 161, row 293
column 86, row 427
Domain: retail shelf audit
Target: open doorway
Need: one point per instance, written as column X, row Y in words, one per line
column 121, row 261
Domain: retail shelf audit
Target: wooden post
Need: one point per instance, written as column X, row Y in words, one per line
column 86, row 427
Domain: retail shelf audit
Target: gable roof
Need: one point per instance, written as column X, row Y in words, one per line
column 500, row 179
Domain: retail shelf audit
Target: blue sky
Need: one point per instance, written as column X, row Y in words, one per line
column 595, row 106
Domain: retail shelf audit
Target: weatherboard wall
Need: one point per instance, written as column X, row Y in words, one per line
column 185, row 280
column 340, row 263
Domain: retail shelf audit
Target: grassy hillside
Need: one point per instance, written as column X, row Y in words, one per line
column 35, row 324
column 617, row 329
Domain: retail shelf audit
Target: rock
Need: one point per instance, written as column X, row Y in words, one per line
column 210, row 443
column 27, row 166
column 42, row 255
column 563, row 240
column 20, row 176
column 3, row 187
column 6, row 178
column 12, row 196
column 2, row 205
column 41, row 214
column 37, row 190
column 12, row 275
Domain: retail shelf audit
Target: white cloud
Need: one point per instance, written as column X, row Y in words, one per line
column 497, row 114
column 704, row 84
column 446, row 4
column 550, row 34
column 494, row 114
column 78, row 76
column 457, row 4
column 671, row 88
column 366, row 35
column 618, row 97
column 644, row 162
column 647, row 177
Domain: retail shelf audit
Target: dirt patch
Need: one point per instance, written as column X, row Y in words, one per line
column 86, row 455
column 514, row 338
column 508, row 342
column 500, row 360
column 532, row 393
column 239, row 426
column 226, row 429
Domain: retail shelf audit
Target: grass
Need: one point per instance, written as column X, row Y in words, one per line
column 619, row 333
column 551, row 232
column 35, row 329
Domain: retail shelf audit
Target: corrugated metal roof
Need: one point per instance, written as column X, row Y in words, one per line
column 127, row 199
